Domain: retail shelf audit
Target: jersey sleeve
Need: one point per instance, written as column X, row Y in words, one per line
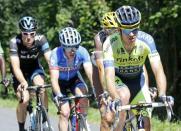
column 148, row 39
column 54, row 60
column 13, row 47
column 43, row 43
column 108, row 59
column 85, row 55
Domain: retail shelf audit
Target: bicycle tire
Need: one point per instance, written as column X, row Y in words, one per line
column 46, row 117
column 38, row 117
column 69, row 125
column 82, row 123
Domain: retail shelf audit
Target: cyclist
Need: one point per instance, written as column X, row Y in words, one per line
column 5, row 81
column 65, row 64
column 25, row 49
column 124, row 55
column 110, row 25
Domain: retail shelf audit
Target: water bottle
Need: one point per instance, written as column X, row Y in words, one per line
column 73, row 122
column 32, row 121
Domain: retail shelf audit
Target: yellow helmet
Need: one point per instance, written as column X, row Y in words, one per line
column 109, row 20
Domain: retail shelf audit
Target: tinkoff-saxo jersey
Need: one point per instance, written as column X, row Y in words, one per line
column 128, row 64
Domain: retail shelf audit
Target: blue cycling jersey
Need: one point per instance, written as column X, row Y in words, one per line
column 58, row 61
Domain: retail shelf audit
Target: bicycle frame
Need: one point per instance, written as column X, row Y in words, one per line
column 77, row 119
column 40, row 110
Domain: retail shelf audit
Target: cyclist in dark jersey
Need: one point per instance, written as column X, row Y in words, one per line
column 25, row 49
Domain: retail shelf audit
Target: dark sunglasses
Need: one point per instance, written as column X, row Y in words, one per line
column 129, row 31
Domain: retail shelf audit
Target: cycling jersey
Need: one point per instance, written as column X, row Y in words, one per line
column 58, row 61
column 128, row 64
column 28, row 56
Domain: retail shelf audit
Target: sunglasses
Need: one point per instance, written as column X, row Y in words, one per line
column 32, row 34
column 74, row 48
column 129, row 31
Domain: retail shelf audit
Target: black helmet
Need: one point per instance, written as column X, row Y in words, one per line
column 28, row 24
column 128, row 17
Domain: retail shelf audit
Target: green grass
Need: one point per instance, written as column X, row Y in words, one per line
column 94, row 116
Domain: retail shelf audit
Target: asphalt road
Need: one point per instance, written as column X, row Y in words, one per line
column 8, row 121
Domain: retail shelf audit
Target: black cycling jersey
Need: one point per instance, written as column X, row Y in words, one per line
column 28, row 56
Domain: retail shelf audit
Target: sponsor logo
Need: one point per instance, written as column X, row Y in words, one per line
column 130, row 59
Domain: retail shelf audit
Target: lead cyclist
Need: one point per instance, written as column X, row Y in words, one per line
column 109, row 24
column 124, row 55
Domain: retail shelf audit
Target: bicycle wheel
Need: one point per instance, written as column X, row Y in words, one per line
column 82, row 123
column 38, row 118
column 45, row 118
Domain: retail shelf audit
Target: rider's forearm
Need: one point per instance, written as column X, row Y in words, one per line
column 110, row 82
column 161, row 82
column 19, row 75
column 47, row 56
column 3, row 67
column 55, row 85
column 100, row 67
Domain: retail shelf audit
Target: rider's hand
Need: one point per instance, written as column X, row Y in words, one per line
column 5, row 82
column 58, row 97
column 22, row 86
column 168, row 99
column 115, row 104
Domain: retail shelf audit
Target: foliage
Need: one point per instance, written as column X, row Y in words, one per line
column 160, row 18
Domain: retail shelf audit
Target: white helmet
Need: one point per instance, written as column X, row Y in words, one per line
column 69, row 37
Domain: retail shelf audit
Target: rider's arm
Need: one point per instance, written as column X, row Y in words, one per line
column 159, row 74
column 54, row 71
column 54, row 75
column 47, row 56
column 146, row 75
column 109, row 69
column 88, row 70
column 110, row 82
column 2, row 66
column 99, row 59
column 15, row 63
column 45, row 48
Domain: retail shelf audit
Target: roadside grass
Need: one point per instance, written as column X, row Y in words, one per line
column 94, row 115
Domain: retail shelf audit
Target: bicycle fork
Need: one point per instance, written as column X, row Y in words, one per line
column 140, row 122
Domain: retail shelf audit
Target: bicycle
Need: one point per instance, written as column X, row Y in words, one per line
column 39, row 115
column 129, row 125
column 77, row 120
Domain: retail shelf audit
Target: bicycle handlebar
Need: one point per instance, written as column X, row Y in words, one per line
column 33, row 88
column 149, row 105
column 37, row 87
column 75, row 97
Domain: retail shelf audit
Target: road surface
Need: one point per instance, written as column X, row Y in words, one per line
column 8, row 121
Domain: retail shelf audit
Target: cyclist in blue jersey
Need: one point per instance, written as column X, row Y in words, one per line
column 65, row 63
column 124, row 55
column 25, row 49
